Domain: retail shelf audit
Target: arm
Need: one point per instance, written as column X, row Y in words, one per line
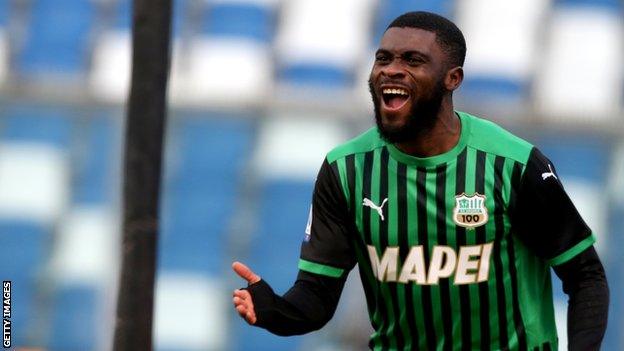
column 565, row 241
column 306, row 307
column 584, row 281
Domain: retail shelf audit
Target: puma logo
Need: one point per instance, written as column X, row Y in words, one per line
column 549, row 174
column 372, row 205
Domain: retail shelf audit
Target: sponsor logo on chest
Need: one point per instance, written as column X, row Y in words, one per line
column 470, row 264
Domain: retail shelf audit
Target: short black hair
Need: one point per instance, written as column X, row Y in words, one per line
column 448, row 35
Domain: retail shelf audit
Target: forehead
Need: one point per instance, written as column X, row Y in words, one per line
column 398, row 40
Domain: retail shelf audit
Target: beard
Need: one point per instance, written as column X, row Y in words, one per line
column 422, row 117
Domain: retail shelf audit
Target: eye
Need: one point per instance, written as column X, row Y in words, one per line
column 413, row 60
column 382, row 58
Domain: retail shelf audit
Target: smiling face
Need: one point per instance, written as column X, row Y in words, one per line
column 407, row 83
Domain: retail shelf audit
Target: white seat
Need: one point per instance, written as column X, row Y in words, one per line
column 581, row 75
column 111, row 69
column 226, row 71
column 502, row 38
column 324, row 32
column 34, row 181
column 190, row 312
column 293, row 147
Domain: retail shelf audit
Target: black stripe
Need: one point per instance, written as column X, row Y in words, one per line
column 499, row 205
column 423, row 239
column 484, row 293
column 460, row 233
column 350, row 166
column 404, row 250
column 546, row 346
column 366, row 188
column 383, row 242
column 445, row 294
column 520, row 331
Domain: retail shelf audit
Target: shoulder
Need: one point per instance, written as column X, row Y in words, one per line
column 367, row 141
column 489, row 137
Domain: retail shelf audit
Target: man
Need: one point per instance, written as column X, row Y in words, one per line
column 453, row 221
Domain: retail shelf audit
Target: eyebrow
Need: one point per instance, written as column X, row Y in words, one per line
column 405, row 54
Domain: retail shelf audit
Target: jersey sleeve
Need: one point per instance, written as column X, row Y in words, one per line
column 328, row 248
column 543, row 215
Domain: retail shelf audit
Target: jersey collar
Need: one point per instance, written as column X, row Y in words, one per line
column 437, row 159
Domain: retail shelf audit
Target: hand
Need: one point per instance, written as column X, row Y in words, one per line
column 242, row 298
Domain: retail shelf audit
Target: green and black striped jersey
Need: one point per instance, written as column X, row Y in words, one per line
column 454, row 251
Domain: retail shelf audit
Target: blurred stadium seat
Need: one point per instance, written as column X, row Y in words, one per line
column 320, row 48
column 109, row 77
column 500, row 63
column 57, row 39
column 232, row 47
column 581, row 74
column 189, row 313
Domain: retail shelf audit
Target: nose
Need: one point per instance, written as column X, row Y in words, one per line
column 393, row 69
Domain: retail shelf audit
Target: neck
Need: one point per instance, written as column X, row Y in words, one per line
column 442, row 137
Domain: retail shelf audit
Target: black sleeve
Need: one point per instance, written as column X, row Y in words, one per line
column 328, row 245
column 306, row 307
column 585, row 283
column 544, row 217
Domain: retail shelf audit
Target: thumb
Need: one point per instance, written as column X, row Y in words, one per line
column 245, row 273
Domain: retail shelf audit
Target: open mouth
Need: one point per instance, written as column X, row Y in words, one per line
column 394, row 98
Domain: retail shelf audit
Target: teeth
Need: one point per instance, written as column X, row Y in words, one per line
column 395, row 91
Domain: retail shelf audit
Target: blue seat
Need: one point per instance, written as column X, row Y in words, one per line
column 45, row 124
column 4, row 12
column 481, row 87
column 323, row 76
column 94, row 162
column 610, row 5
column 24, row 248
column 57, row 38
column 200, row 191
column 239, row 20
column 75, row 319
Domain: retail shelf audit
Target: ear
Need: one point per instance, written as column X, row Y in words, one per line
column 454, row 78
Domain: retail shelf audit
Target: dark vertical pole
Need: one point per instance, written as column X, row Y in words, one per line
column 142, row 168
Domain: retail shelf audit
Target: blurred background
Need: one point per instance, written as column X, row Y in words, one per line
column 260, row 90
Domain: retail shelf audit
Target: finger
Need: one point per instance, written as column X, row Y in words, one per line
column 242, row 310
column 243, row 294
column 238, row 301
column 245, row 273
column 251, row 317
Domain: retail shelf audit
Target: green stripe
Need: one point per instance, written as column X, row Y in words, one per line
column 432, row 229
column 393, row 240
column 471, row 239
column 412, row 239
column 490, row 233
column 505, row 259
column 374, row 228
column 320, row 269
column 342, row 170
column 451, row 172
column 573, row 251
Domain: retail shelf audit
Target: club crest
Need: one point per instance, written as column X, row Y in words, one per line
column 470, row 211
